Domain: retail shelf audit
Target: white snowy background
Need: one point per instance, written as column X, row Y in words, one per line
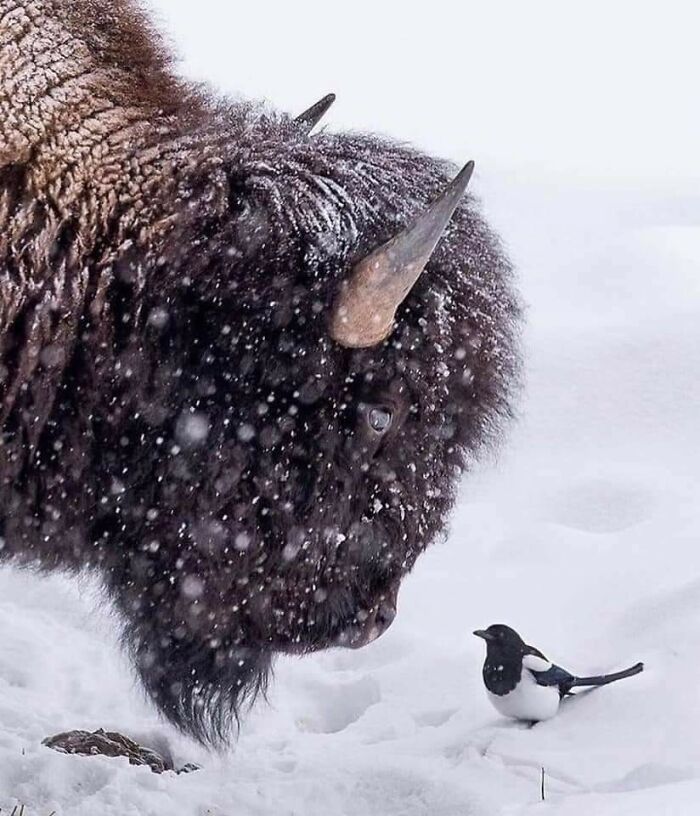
column 584, row 534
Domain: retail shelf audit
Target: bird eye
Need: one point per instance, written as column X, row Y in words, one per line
column 380, row 419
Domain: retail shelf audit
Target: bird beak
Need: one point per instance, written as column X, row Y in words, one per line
column 482, row 634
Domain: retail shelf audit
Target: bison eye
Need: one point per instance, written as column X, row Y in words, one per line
column 380, row 419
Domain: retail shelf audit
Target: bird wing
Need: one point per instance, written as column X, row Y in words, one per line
column 554, row 676
column 536, row 661
column 547, row 673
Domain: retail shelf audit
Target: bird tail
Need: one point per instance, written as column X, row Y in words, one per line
column 604, row 679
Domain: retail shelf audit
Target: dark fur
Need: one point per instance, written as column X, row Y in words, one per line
column 177, row 280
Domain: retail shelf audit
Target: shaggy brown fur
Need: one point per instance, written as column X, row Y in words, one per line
column 174, row 414
column 87, row 134
column 94, row 134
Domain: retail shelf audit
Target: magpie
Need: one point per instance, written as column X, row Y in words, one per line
column 520, row 681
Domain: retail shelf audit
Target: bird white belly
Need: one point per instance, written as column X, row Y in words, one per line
column 527, row 701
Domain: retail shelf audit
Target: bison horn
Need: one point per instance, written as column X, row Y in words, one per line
column 313, row 115
column 363, row 314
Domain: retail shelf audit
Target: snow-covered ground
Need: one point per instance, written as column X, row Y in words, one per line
column 584, row 536
column 584, row 533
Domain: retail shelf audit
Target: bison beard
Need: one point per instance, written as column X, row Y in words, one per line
column 176, row 417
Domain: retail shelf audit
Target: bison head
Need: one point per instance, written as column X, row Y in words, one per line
column 250, row 368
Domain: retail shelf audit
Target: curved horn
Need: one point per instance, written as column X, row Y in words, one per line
column 363, row 314
column 313, row 115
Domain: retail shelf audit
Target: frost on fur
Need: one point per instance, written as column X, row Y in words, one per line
column 175, row 415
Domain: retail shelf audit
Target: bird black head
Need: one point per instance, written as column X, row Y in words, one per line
column 502, row 640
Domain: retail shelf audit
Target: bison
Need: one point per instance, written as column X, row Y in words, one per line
column 242, row 367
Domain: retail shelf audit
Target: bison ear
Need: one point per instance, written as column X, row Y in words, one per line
column 313, row 115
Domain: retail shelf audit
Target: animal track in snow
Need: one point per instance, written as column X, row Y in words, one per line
column 602, row 506
column 338, row 706
column 434, row 719
column 650, row 775
column 286, row 765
